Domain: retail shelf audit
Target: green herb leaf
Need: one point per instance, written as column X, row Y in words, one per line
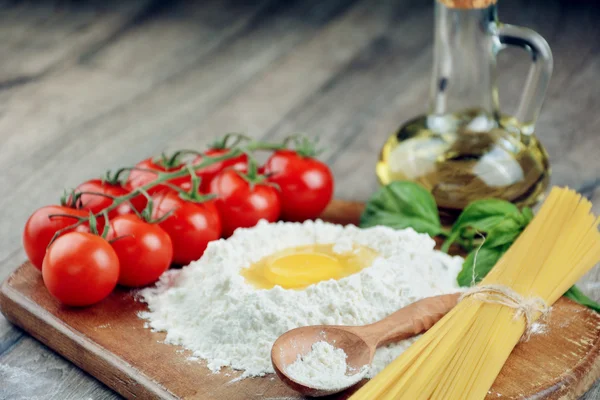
column 482, row 261
column 483, row 215
column 402, row 205
column 451, row 239
column 405, row 204
column 575, row 294
column 505, row 232
column 528, row 214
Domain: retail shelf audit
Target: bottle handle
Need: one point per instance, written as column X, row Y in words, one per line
column 539, row 73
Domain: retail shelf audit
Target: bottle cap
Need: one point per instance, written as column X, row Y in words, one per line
column 468, row 3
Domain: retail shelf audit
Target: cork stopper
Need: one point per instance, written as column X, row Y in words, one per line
column 468, row 3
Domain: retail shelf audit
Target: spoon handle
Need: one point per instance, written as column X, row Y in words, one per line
column 411, row 320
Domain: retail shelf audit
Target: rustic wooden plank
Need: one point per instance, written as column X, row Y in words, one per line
column 593, row 393
column 277, row 94
column 32, row 371
column 184, row 31
column 86, row 88
column 9, row 334
column 39, row 37
column 266, row 100
column 138, row 128
column 590, row 283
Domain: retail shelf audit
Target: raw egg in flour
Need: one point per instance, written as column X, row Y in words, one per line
column 302, row 266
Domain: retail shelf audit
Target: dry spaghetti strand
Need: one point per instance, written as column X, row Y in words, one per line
column 461, row 356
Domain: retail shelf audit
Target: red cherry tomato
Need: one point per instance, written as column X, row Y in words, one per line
column 97, row 203
column 207, row 174
column 139, row 178
column 241, row 205
column 306, row 184
column 144, row 250
column 80, row 269
column 191, row 226
column 40, row 228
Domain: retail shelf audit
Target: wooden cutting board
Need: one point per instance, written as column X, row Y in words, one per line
column 110, row 342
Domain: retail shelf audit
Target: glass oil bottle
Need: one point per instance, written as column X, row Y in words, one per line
column 464, row 148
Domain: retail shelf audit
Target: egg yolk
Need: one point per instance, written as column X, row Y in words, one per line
column 302, row 266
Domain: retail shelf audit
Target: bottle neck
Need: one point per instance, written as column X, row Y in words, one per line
column 464, row 66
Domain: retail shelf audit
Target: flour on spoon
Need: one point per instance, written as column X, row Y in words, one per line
column 325, row 368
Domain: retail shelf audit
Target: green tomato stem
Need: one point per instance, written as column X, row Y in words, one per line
column 164, row 177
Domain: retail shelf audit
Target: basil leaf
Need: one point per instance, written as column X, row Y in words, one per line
column 505, row 232
column 400, row 205
column 528, row 214
column 486, row 259
column 483, row 215
column 448, row 242
column 503, row 223
column 524, row 217
column 575, row 294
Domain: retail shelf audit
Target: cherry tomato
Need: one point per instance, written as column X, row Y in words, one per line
column 80, row 269
column 139, row 178
column 191, row 226
column 306, row 184
column 40, row 228
column 97, row 203
column 241, row 205
column 144, row 250
column 207, row 174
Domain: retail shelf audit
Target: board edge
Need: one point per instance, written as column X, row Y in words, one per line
column 123, row 377
column 119, row 375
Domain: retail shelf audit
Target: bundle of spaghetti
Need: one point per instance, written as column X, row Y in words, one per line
column 461, row 356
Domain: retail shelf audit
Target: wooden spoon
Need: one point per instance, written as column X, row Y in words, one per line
column 358, row 342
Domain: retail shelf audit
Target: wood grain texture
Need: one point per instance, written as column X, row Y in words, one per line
column 90, row 85
column 109, row 341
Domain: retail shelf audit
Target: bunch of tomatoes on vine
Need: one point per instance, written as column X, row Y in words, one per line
column 131, row 226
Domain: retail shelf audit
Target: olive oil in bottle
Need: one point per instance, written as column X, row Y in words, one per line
column 467, row 156
column 464, row 148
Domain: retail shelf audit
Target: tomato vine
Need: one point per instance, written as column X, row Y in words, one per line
column 240, row 144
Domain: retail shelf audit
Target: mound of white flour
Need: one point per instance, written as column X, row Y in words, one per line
column 324, row 367
column 209, row 308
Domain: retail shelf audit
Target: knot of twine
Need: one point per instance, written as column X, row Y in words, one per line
column 527, row 307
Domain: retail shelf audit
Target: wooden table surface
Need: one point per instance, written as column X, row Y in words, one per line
column 88, row 86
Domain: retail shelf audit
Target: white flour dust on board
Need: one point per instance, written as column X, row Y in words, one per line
column 539, row 328
column 210, row 309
